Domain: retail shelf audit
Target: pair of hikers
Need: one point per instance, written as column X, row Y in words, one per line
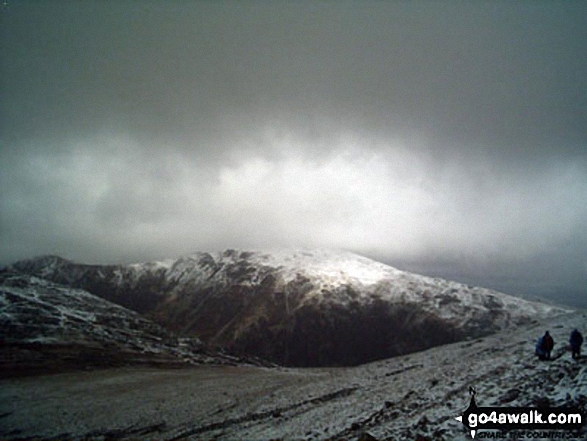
column 546, row 343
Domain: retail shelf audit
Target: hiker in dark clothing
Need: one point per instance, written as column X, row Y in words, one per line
column 544, row 346
column 548, row 344
column 576, row 341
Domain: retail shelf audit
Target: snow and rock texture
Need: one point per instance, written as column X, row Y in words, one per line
column 49, row 327
column 410, row 397
column 298, row 308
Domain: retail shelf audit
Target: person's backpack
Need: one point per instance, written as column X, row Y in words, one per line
column 540, row 346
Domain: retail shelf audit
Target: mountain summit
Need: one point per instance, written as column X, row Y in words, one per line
column 297, row 307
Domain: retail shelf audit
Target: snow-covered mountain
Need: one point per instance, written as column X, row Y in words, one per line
column 297, row 308
column 49, row 327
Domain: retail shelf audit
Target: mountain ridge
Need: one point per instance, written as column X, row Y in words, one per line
column 297, row 307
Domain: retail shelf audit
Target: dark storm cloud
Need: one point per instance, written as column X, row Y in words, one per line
column 447, row 136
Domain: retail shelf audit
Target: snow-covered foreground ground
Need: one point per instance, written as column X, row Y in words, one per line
column 400, row 398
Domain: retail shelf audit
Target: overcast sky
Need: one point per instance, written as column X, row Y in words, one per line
column 447, row 137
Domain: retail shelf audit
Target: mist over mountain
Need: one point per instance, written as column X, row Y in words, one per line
column 449, row 135
column 297, row 307
column 446, row 141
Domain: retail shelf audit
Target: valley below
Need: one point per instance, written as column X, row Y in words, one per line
column 415, row 396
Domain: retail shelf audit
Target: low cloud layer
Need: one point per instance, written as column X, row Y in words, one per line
column 449, row 138
column 108, row 198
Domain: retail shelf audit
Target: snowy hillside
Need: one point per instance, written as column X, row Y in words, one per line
column 298, row 307
column 411, row 397
column 49, row 327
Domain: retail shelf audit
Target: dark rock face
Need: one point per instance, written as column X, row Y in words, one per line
column 304, row 309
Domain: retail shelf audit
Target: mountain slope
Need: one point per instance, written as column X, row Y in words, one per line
column 49, row 327
column 409, row 397
column 298, row 308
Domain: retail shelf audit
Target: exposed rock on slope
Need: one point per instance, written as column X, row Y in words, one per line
column 298, row 308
